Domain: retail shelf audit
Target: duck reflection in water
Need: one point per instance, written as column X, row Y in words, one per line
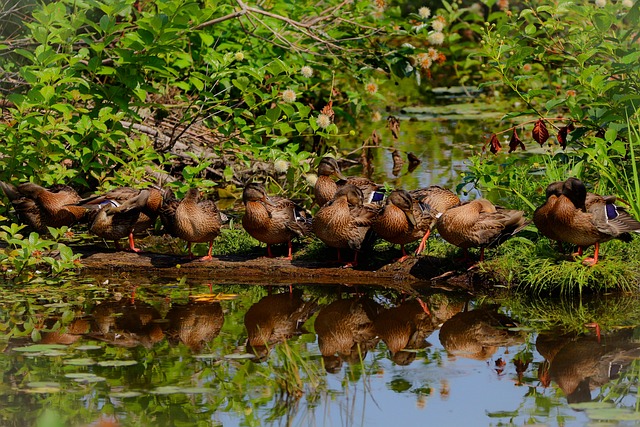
column 66, row 334
column 346, row 331
column 127, row 323
column 403, row 328
column 274, row 319
column 478, row 334
column 580, row 363
column 195, row 324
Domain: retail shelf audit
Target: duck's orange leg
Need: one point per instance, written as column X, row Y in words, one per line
column 404, row 256
column 290, row 253
column 208, row 256
column 132, row 244
column 423, row 242
column 592, row 261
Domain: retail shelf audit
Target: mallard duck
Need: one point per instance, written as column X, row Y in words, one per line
column 273, row 220
column 479, row 223
column 410, row 215
column 542, row 215
column 325, row 187
column 123, row 212
column 344, row 221
column 40, row 207
column 586, row 219
column 194, row 220
column 196, row 323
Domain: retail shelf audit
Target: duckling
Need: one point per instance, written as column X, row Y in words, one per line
column 273, row 220
column 325, row 188
column 586, row 219
column 123, row 212
column 344, row 221
column 479, row 223
column 411, row 215
column 39, row 207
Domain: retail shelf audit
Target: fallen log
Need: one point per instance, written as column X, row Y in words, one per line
column 409, row 276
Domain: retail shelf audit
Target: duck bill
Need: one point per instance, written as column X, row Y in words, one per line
column 339, row 175
column 268, row 201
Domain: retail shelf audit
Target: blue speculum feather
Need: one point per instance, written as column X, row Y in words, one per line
column 612, row 211
column 377, row 196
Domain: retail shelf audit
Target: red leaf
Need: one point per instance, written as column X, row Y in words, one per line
column 540, row 132
column 494, row 144
column 562, row 134
column 515, row 142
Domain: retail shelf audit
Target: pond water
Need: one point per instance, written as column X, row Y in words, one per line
column 183, row 354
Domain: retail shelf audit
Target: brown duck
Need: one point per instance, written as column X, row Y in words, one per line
column 123, row 212
column 479, row 223
column 344, row 222
column 410, row 215
column 542, row 217
column 196, row 221
column 586, row 219
column 196, row 323
column 40, row 207
column 325, row 187
column 273, row 220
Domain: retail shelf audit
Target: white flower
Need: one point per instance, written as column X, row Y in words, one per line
column 408, row 45
column 281, row 166
column 436, row 38
column 311, row 179
column 601, row 3
column 433, row 53
column 323, row 120
column 424, row 12
column 239, row 56
column 627, row 4
column 438, row 24
column 288, row 95
column 306, row 71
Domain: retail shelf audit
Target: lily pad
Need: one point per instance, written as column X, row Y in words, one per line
column 181, row 390
column 85, row 377
column 39, row 348
column 239, row 356
column 85, row 361
column 44, row 390
column 613, row 414
column 113, row 363
column 88, row 347
column 125, row 394
column 40, row 384
column 205, row 356
column 51, row 353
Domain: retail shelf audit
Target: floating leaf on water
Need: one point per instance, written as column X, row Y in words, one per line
column 205, row 356
column 85, row 377
column 592, row 405
column 52, row 353
column 181, row 390
column 613, row 414
column 88, row 347
column 38, row 348
column 38, row 384
column 84, row 361
column 125, row 394
column 239, row 356
column 112, row 363
column 212, row 297
column 37, row 390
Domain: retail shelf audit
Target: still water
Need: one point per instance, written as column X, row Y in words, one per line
column 182, row 354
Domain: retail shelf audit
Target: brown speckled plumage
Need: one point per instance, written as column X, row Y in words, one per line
column 325, row 187
column 273, row 220
column 39, row 207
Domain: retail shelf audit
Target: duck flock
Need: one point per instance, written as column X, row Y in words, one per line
column 353, row 212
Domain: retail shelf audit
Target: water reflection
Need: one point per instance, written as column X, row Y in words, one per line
column 477, row 334
column 580, row 364
column 195, row 324
column 168, row 359
column 274, row 319
column 346, row 331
